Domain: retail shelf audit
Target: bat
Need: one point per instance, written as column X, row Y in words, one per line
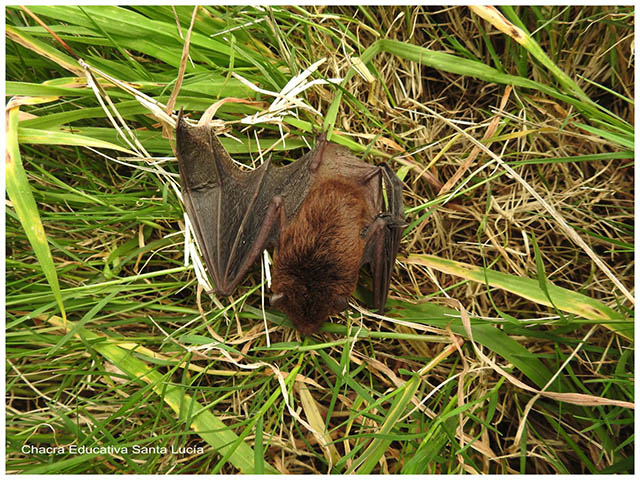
column 326, row 215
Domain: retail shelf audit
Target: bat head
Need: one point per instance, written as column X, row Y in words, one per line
column 309, row 308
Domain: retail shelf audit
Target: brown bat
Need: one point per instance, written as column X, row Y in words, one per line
column 325, row 214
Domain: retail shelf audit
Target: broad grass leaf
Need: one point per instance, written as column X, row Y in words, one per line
column 22, row 200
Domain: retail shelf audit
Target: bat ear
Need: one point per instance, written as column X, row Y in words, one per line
column 276, row 299
column 340, row 303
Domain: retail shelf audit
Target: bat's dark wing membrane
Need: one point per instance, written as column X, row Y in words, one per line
column 388, row 241
column 386, row 211
column 235, row 213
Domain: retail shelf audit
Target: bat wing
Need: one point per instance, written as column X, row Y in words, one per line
column 235, row 213
column 384, row 237
column 386, row 211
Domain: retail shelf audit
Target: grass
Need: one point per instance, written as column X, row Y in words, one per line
column 508, row 345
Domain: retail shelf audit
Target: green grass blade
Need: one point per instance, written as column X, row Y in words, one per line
column 461, row 66
column 44, row 49
column 489, row 336
column 22, row 200
column 520, row 35
column 378, row 446
column 49, row 137
column 625, row 141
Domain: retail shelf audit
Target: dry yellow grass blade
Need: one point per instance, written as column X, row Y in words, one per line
column 493, row 16
column 42, row 48
column 312, row 412
column 490, row 132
